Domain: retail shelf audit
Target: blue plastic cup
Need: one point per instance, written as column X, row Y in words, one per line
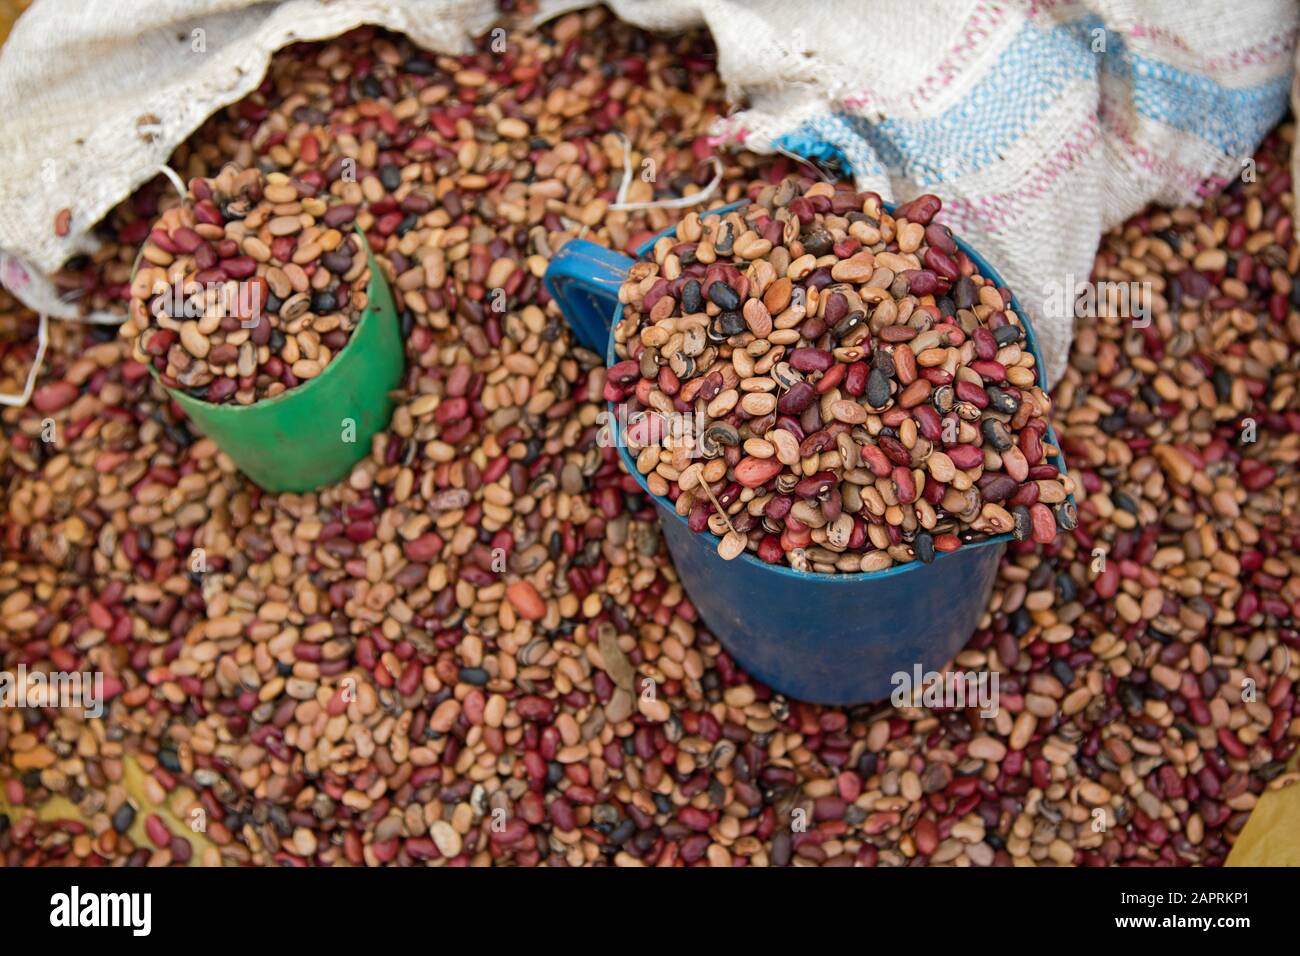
column 824, row 638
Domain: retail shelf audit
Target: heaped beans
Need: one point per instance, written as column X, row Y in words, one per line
column 475, row 650
column 247, row 288
column 808, row 335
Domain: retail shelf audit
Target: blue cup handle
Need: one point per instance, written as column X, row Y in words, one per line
column 583, row 278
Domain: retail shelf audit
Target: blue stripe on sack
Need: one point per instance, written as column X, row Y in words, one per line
column 1232, row 120
column 1027, row 80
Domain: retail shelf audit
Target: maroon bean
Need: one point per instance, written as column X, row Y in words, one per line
column 1026, row 494
column 998, row 487
column 966, row 456
column 876, row 459
column 623, row 372
column 339, row 214
column 770, row 550
column 895, row 450
column 239, row 267
column 799, row 396
column 928, row 422
column 904, row 486
column 811, row 360
column 989, row 371
column 815, row 486
column 939, row 237
column 921, row 209
column 941, row 264
column 922, row 281
column 970, row 392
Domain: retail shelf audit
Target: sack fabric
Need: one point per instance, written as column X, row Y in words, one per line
column 95, row 96
column 1041, row 123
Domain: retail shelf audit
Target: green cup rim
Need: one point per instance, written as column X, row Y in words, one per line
column 214, row 408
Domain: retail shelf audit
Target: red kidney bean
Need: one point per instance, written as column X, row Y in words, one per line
column 921, row 209
column 811, row 360
column 799, row 397
column 966, row 456
column 904, row 486
column 970, row 392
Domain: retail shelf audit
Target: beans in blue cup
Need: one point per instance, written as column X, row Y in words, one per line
column 826, row 399
column 827, row 385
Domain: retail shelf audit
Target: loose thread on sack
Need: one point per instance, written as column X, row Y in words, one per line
column 620, row 203
column 42, row 337
column 94, row 318
column 180, row 189
column 175, row 179
column 805, row 161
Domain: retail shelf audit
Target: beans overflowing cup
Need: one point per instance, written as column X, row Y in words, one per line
column 248, row 288
column 832, row 386
column 263, row 314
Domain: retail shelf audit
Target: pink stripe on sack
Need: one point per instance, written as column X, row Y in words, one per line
column 1039, row 7
column 1160, row 164
column 729, row 134
column 994, row 212
column 1265, row 51
column 1277, row 47
column 1212, row 185
column 978, row 27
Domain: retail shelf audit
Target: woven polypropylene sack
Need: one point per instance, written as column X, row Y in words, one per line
column 1041, row 124
column 96, row 94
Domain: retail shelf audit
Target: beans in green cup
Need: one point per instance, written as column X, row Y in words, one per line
column 248, row 288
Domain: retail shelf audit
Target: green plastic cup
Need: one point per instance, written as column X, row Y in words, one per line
column 313, row 434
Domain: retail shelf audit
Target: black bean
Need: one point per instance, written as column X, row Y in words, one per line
column 725, row 240
column 996, row 433
column 123, row 817
column 692, row 300
column 1222, row 380
column 877, row 388
column 1006, row 334
column 1002, row 401
column 818, row 242
column 731, row 323
column 390, row 176
column 724, row 296
column 1020, row 622
column 963, row 293
column 1024, row 524
column 337, row 261
column 923, row 547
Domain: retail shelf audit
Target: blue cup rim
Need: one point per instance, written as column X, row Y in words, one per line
column 849, row 577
